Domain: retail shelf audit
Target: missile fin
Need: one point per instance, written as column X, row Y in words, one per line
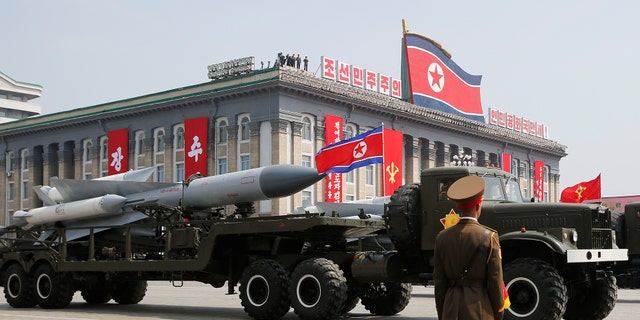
column 46, row 200
column 72, row 190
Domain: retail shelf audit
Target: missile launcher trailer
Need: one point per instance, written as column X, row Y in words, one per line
column 558, row 258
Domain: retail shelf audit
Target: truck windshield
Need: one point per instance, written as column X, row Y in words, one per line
column 502, row 189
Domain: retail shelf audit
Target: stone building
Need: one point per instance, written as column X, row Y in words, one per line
column 264, row 117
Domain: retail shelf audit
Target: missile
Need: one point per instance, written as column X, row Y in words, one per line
column 77, row 210
column 245, row 186
column 103, row 200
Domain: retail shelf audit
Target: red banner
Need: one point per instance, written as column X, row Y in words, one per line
column 118, row 148
column 582, row 191
column 333, row 134
column 195, row 146
column 506, row 162
column 393, row 141
column 538, row 181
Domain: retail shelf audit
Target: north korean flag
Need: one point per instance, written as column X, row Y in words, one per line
column 346, row 155
column 439, row 83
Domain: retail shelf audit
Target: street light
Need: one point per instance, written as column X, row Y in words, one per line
column 461, row 160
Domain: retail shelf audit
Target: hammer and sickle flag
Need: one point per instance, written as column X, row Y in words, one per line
column 392, row 165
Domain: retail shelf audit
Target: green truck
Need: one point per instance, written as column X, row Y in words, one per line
column 558, row 258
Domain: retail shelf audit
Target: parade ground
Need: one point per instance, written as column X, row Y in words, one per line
column 200, row 301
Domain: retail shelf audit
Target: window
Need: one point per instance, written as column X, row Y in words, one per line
column 139, row 150
column 245, row 163
column 87, row 170
column 244, row 128
column 160, row 173
column 349, row 132
column 306, row 129
column 369, row 175
column 104, row 156
column 306, row 161
column 10, row 191
column 179, row 171
column 158, row 145
column 306, row 198
column 25, row 190
column 179, row 138
column 223, row 135
column 222, row 166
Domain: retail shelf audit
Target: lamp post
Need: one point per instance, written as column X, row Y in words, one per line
column 461, row 160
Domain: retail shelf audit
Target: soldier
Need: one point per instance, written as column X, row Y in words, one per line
column 467, row 262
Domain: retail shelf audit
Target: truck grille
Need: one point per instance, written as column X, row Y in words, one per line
column 601, row 229
column 601, row 238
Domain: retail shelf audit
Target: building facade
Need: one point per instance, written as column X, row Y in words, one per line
column 15, row 99
column 268, row 116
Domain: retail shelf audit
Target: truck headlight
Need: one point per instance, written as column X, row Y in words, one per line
column 614, row 239
column 574, row 236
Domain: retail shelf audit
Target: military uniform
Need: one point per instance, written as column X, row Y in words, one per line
column 467, row 263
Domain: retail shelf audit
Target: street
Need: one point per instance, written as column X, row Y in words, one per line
column 199, row 301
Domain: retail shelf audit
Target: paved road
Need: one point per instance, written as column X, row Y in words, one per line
column 197, row 301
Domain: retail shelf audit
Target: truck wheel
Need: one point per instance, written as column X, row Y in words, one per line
column 264, row 290
column 386, row 299
column 536, row 290
column 402, row 219
column 129, row 292
column 54, row 290
column 99, row 293
column 352, row 298
column 318, row 289
column 594, row 302
column 18, row 288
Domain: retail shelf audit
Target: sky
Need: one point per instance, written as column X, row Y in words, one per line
column 571, row 65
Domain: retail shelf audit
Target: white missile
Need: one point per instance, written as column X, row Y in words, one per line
column 109, row 204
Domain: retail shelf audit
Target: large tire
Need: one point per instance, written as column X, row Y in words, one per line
column 97, row 292
column 264, row 290
column 402, row 219
column 594, row 302
column 18, row 287
column 352, row 298
column 54, row 290
column 318, row 289
column 129, row 292
column 386, row 299
column 536, row 290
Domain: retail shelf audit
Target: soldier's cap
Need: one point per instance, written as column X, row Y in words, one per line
column 467, row 192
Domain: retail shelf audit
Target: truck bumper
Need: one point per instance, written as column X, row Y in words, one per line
column 597, row 255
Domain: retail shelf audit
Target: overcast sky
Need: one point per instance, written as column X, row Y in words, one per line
column 572, row 65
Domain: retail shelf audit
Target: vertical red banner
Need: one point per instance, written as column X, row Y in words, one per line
column 333, row 134
column 538, row 182
column 118, row 149
column 195, row 146
column 506, row 162
column 392, row 164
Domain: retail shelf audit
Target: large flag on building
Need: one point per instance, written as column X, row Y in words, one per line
column 436, row 82
column 346, row 155
column 393, row 145
column 582, row 191
column 118, row 149
column 538, row 180
column 333, row 134
column 195, row 146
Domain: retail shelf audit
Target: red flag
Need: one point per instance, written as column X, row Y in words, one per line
column 333, row 133
column 582, row 191
column 118, row 148
column 346, row 155
column 392, row 161
column 538, row 181
column 506, row 162
column 195, row 143
column 439, row 83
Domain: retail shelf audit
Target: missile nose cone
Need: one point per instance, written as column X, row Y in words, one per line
column 284, row 179
column 112, row 202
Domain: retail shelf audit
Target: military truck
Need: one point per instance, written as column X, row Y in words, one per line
column 627, row 229
column 558, row 259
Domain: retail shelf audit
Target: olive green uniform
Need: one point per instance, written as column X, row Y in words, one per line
column 478, row 293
